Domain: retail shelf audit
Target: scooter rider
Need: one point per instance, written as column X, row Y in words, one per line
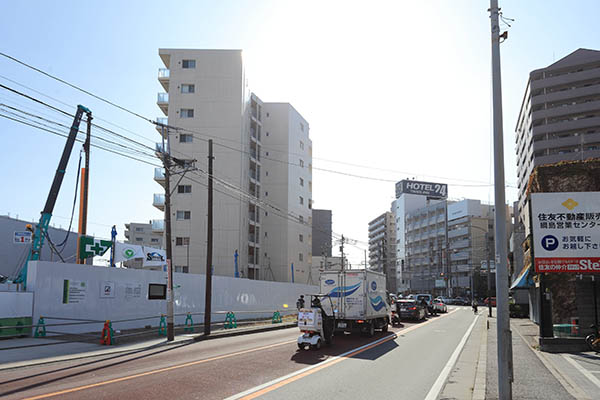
column 300, row 302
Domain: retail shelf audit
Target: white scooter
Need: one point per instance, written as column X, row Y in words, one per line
column 315, row 325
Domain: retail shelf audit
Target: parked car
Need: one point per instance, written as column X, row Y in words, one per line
column 411, row 309
column 446, row 300
column 461, row 301
column 429, row 300
column 487, row 299
column 440, row 305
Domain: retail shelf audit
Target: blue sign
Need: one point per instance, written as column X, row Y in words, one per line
column 549, row 243
column 374, row 285
column 329, row 282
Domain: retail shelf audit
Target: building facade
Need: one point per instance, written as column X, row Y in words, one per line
column 559, row 118
column 207, row 96
column 382, row 248
column 321, row 233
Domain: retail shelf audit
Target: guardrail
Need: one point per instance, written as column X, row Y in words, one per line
column 66, row 337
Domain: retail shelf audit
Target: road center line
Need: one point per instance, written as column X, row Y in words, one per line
column 156, row 371
column 294, row 376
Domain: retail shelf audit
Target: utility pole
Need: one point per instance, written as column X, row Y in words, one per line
column 209, row 242
column 166, row 158
column 489, row 275
column 85, row 180
column 342, row 251
column 505, row 371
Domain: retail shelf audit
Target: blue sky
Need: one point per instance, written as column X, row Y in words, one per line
column 395, row 86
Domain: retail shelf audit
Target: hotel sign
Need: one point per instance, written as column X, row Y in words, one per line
column 566, row 232
column 429, row 189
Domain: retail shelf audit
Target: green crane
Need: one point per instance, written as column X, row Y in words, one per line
column 41, row 229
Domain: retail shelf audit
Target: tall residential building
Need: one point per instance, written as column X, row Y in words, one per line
column 150, row 234
column 206, row 96
column 321, row 233
column 410, row 195
column 559, row 118
column 382, row 248
column 287, row 184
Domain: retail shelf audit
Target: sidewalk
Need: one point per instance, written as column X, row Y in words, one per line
column 24, row 352
column 537, row 375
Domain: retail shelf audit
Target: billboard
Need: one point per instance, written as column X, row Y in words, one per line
column 429, row 189
column 566, row 232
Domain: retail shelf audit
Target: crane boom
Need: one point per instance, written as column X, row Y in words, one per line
column 42, row 226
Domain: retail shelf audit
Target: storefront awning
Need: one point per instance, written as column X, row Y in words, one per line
column 524, row 280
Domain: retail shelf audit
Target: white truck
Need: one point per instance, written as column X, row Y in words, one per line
column 358, row 298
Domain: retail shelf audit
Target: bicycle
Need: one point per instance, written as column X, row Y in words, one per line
column 593, row 339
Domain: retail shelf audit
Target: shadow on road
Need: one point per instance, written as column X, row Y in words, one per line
column 343, row 343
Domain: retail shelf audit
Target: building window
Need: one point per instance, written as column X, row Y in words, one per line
column 266, row 173
column 268, row 117
column 302, row 163
column 182, row 268
column 187, row 88
column 265, row 233
column 267, row 153
column 300, row 218
column 153, row 240
column 266, row 194
column 301, row 126
column 186, row 113
column 267, row 132
column 184, row 189
column 301, row 182
column 188, row 64
column 310, row 204
column 301, row 237
column 301, row 200
column 184, row 215
column 139, row 239
column 300, row 256
column 139, row 229
column 266, row 213
column 301, row 145
column 182, row 241
column 186, row 138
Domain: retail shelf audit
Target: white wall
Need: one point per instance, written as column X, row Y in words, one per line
column 16, row 304
column 45, row 280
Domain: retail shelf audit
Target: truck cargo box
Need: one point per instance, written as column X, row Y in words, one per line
column 355, row 294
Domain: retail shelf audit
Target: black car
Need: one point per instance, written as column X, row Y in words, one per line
column 410, row 309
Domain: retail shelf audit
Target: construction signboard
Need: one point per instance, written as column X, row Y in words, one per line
column 566, row 232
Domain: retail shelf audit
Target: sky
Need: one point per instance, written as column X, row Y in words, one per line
column 391, row 89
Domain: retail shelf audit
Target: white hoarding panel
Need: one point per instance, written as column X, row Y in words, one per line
column 566, row 232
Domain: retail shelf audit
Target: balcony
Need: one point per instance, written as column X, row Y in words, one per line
column 159, row 201
column 159, row 176
column 158, row 225
column 159, row 150
column 163, row 102
column 162, row 121
column 163, row 77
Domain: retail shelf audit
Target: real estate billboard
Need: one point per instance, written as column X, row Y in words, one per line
column 566, row 232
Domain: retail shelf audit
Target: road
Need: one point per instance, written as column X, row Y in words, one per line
column 404, row 363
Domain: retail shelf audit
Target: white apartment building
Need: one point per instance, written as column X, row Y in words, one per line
column 382, row 248
column 206, row 96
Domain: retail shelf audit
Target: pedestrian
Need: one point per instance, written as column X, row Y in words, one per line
column 474, row 305
column 300, row 302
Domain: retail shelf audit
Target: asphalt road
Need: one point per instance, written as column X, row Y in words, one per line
column 405, row 365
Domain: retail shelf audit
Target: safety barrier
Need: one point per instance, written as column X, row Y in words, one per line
column 109, row 335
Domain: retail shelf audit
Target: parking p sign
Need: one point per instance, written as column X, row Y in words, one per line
column 22, row 237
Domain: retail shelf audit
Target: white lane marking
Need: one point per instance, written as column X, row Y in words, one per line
column 271, row 383
column 396, row 335
column 439, row 383
column 583, row 371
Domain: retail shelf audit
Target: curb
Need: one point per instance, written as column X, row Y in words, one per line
column 133, row 350
column 480, row 377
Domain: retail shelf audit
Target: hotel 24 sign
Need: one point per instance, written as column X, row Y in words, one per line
column 566, row 232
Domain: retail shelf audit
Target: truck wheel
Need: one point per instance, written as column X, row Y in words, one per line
column 371, row 329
